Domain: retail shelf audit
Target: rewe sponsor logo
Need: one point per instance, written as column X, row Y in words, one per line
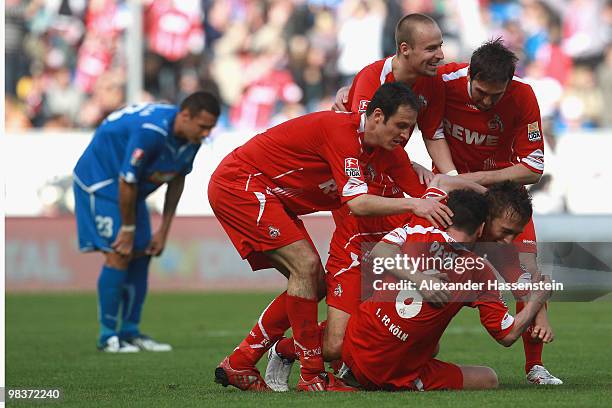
column 469, row 136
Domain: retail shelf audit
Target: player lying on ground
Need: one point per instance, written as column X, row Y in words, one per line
column 133, row 152
column 392, row 339
column 312, row 163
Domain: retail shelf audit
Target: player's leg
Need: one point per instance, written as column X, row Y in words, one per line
column 97, row 224
column 337, row 320
column 305, row 269
column 534, row 367
column 440, row 375
column 478, row 378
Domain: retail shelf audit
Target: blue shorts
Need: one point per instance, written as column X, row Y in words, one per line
column 98, row 222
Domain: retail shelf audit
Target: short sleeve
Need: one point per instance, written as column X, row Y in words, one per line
column 528, row 137
column 189, row 167
column 342, row 156
column 143, row 145
column 433, row 99
column 362, row 89
column 399, row 167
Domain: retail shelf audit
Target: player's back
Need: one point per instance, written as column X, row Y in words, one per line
column 301, row 161
column 394, row 333
column 105, row 153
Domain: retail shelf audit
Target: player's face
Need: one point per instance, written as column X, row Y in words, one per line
column 196, row 128
column 484, row 94
column 503, row 229
column 396, row 130
column 426, row 54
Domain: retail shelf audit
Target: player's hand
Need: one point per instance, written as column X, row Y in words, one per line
column 436, row 297
column 157, row 244
column 124, row 243
column 542, row 331
column 341, row 99
column 425, row 175
column 433, row 211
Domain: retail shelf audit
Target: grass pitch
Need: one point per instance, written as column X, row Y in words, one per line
column 50, row 342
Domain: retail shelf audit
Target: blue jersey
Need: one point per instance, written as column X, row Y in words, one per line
column 137, row 144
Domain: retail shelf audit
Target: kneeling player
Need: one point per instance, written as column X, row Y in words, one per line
column 391, row 341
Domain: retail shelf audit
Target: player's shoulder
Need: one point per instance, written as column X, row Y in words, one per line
column 375, row 69
column 521, row 91
column 453, row 71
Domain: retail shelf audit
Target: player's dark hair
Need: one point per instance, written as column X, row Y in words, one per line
column 470, row 210
column 201, row 101
column 493, row 62
column 406, row 28
column 390, row 96
column 508, row 198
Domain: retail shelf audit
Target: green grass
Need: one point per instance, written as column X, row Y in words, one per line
column 50, row 342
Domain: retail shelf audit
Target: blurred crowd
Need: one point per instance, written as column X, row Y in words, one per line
column 270, row 60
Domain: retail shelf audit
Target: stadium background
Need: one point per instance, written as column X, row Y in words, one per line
column 70, row 62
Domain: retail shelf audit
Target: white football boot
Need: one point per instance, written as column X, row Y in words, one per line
column 146, row 343
column 114, row 345
column 277, row 371
column 540, row 375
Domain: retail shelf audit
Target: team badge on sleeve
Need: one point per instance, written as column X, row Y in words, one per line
column 363, row 105
column 533, row 132
column 137, row 156
column 351, row 167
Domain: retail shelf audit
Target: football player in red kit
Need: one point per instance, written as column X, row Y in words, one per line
column 392, row 340
column 312, row 163
column 493, row 128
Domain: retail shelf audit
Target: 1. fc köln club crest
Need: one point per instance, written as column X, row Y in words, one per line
column 273, row 231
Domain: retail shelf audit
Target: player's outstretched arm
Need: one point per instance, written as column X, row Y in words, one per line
column 440, row 154
column 525, row 317
column 517, row 173
column 171, row 200
column 124, row 242
column 450, row 183
column 431, row 209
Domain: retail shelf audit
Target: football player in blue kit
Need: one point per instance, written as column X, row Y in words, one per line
column 133, row 152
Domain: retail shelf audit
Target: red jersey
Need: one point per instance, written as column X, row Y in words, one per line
column 394, row 335
column 507, row 134
column 429, row 91
column 312, row 163
column 352, row 231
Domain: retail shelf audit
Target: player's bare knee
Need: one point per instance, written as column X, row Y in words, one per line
column 332, row 348
column 307, row 266
column 116, row 261
column 490, row 380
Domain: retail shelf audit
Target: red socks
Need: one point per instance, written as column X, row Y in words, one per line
column 270, row 327
column 303, row 317
column 533, row 351
column 286, row 347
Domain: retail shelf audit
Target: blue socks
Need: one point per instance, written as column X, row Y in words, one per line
column 134, row 294
column 110, row 284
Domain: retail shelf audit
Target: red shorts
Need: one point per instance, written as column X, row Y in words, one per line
column 434, row 375
column 343, row 284
column 526, row 240
column 254, row 221
column 343, row 268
